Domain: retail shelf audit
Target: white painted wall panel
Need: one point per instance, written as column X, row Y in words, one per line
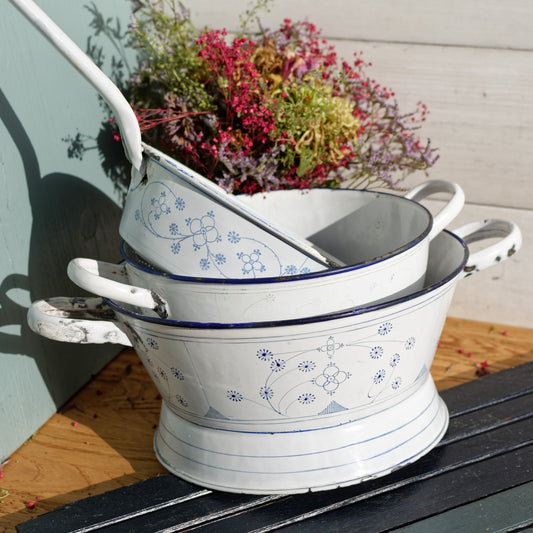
column 491, row 23
column 481, row 112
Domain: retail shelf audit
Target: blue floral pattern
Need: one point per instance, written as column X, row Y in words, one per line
column 306, row 398
column 177, row 373
column 264, row 354
column 266, row 393
column 376, row 352
column 182, row 401
column 234, row 396
column 385, row 328
column 331, row 378
column 379, row 376
column 185, row 228
column 306, row 366
column 394, row 360
column 160, row 205
column 152, row 343
column 251, row 263
column 277, row 365
column 305, row 379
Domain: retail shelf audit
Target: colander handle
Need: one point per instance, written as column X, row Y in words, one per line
column 449, row 211
column 111, row 281
column 510, row 241
column 76, row 320
column 124, row 114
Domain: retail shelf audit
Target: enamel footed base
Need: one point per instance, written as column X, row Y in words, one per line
column 299, row 461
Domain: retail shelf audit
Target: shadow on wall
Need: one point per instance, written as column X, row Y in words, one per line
column 71, row 218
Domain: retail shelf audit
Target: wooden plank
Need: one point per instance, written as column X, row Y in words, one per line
column 492, row 24
column 149, row 495
column 489, row 390
column 376, row 506
column 386, row 511
column 491, row 426
column 510, row 510
column 480, row 114
column 465, row 344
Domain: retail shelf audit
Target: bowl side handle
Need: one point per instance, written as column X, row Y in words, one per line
column 510, row 241
column 449, row 211
column 110, row 281
column 76, row 320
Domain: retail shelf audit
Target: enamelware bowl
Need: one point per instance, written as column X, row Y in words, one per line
column 383, row 238
column 292, row 406
column 174, row 234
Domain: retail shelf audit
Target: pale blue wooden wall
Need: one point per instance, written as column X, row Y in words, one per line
column 52, row 208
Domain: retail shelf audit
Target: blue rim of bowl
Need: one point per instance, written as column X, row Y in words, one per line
column 322, row 273
column 307, row 320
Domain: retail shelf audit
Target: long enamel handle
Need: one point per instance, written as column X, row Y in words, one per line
column 124, row 114
column 111, row 281
column 76, row 320
column 450, row 210
column 510, row 242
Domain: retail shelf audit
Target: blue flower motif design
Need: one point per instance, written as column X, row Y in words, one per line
column 331, row 378
column 290, row 270
column 152, row 343
column 396, row 383
column 177, row 373
column 233, row 237
column 264, row 354
column 175, row 247
column 305, row 270
column 251, row 262
column 180, row 204
column 379, row 376
column 203, row 231
column 182, row 401
column 160, row 206
column 376, row 352
column 385, row 328
column 173, row 228
column 137, row 215
column 409, row 343
column 266, row 393
column 394, row 360
column 277, row 365
column 162, row 373
column 220, row 259
column 204, row 264
column 306, row 366
column 306, row 398
column 234, row 396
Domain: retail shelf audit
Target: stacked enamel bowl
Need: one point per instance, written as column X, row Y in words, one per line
column 290, row 384
column 382, row 241
column 291, row 334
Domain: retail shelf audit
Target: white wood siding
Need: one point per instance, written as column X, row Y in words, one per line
column 471, row 62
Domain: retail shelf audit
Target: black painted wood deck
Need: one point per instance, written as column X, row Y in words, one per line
column 479, row 478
